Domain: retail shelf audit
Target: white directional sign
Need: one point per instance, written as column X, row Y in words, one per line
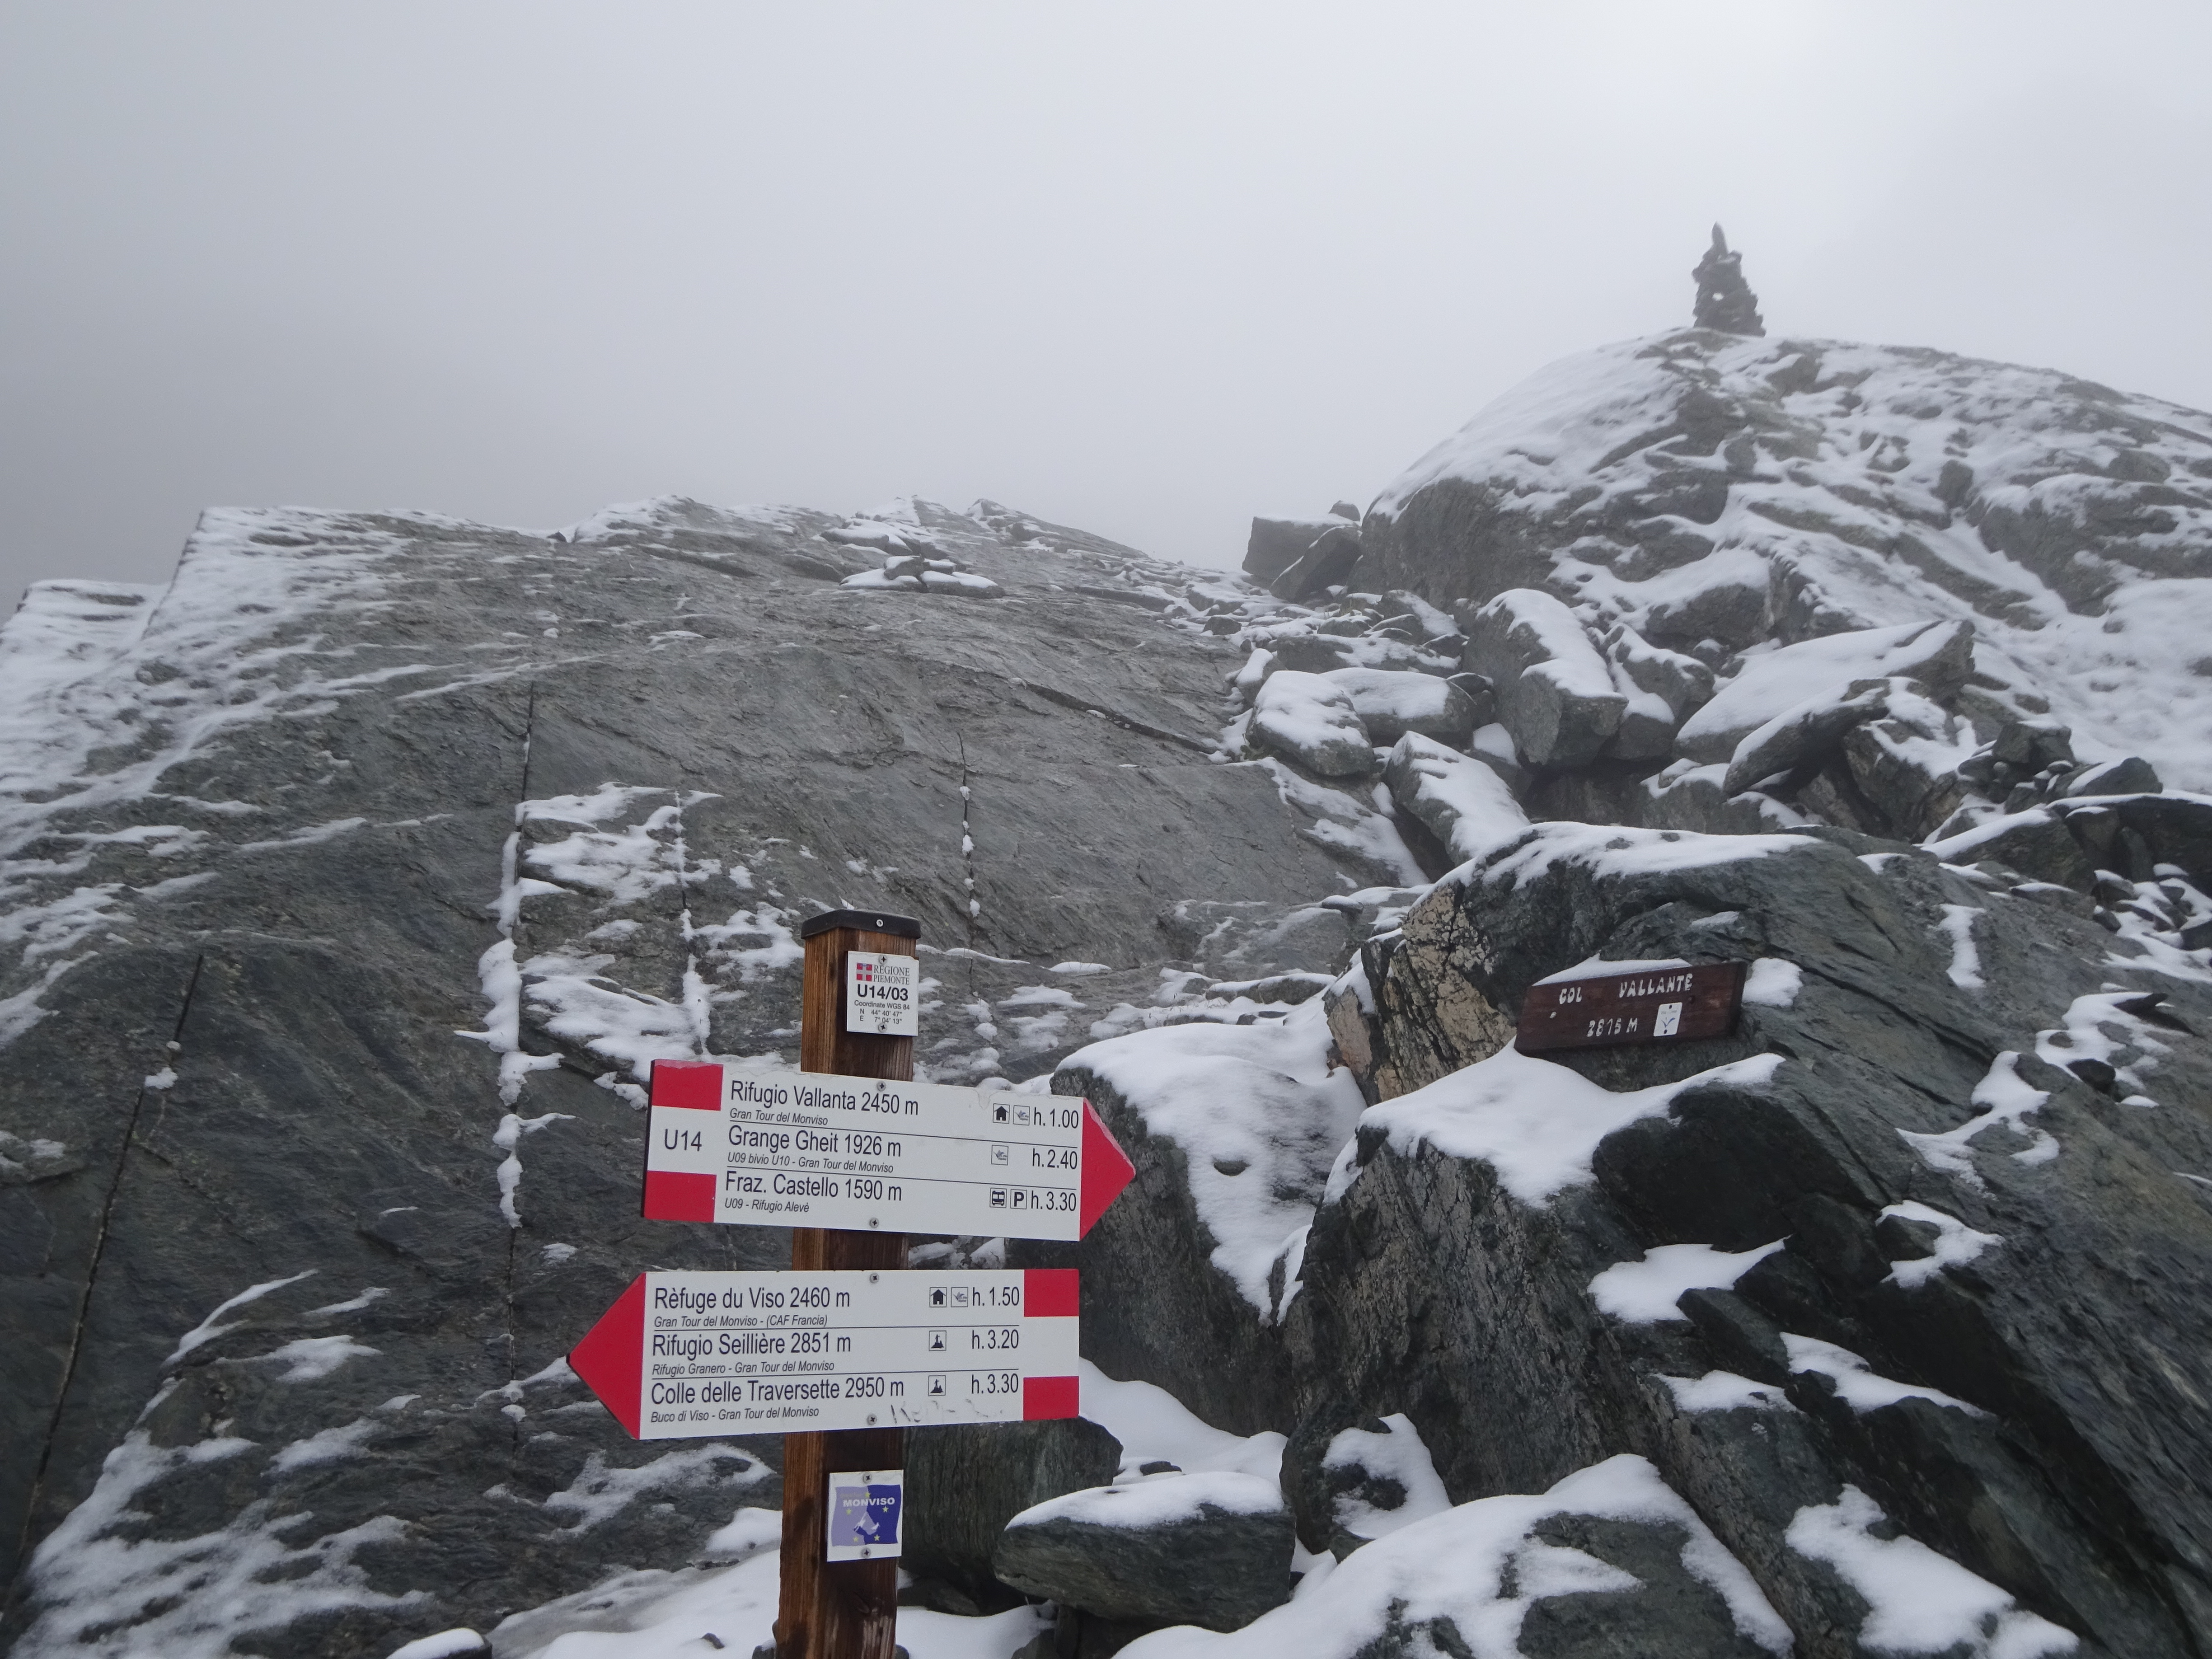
column 803, row 1149
column 685, row 1354
column 882, row 994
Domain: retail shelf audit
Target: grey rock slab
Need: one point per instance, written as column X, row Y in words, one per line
column 1209, row 1549
column 965, row 1482
column 326, row 841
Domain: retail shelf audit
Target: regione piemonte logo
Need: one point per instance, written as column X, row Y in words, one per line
column 879, row 995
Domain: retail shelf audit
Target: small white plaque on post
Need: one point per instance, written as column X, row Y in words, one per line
column 881, row 994
column 866, row 1508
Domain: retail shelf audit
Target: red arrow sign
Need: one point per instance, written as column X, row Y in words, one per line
column 682, row 1355
column 1106, row 1167
column 817, row 1150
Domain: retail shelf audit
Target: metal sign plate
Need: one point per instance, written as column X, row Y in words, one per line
column 803, row 1149
column 1652, row 1004
column 682, row 1355
column 883, row 994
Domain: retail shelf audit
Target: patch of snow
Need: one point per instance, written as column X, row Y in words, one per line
column 1858, row 1385
column 1955, row 1243
column 1534, row 1123
column 1479, row 1566
column 1773, row 983
column 1966, row 970
column 1918, row 1601
column 601, row 1490
column 325, row 1446
column 1725, row 1391
column 1154, row 1427
column 207, row 1330
column 369, row 1297
column 1158, row 1502
column 1644, row 1292
column 445, row 1644
column 2004, row 1099
column 311, row 1358
column 1401, row 1455
column 1258, row 1114
column 1604, row 967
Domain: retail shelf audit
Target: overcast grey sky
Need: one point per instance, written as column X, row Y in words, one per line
column 1147, row 269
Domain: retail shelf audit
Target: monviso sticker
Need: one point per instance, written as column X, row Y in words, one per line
column 864, row 1506
column 880, row 993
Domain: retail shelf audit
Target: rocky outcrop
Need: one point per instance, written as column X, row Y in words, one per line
column 1723, row 496
column 289, row 1266
column 1933, row 1330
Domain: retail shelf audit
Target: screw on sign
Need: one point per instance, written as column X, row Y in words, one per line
column 847, row 1349
column 1649, row 1002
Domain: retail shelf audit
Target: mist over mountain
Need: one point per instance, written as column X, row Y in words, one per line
column 355, row 878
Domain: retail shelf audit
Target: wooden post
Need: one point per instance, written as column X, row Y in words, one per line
column 845, row 1609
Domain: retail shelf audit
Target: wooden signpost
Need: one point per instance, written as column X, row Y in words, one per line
column 844, row 1610
column 849, row 1338
column 1673, row 1003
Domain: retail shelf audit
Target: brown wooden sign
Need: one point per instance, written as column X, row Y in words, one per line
column 1652, row 1004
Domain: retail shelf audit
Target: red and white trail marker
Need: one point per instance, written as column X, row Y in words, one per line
column 682, row 1355
column 805, row 1149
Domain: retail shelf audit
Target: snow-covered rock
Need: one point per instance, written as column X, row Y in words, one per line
column 1722, row 495
column 1555, row 693
column 1939, row 655
column 1462, row 802
column 1391, row 703
column 1312, row 721
column 1211, row 1549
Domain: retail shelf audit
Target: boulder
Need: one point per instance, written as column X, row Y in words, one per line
column 1392, row 703
column 965, row 1481
column 1307, row 653
column 1802, row 736
column 1276, row 545
column 1328, row 563
column 1555, row 693
column 1212, row 1549
column 1682, row 682
column 1938, row 655
column 2131, row 776
column 1460, row 801
column 1904, row 767
column 2036, row 842
column 1309, row 721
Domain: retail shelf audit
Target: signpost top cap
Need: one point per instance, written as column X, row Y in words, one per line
column 866, row 922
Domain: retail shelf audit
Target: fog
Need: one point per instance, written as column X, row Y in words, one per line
column 1145, row 269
